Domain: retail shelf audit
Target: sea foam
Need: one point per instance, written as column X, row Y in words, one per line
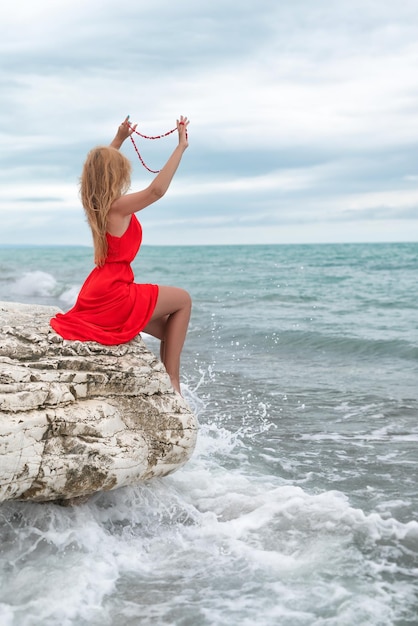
column 36, row 283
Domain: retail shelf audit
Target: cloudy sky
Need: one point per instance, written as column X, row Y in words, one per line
column 304, row 116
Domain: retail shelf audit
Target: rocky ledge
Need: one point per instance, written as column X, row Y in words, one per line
column 80, row 417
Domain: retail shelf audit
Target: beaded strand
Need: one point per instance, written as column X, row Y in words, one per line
column 147, row 137
column 156, row 136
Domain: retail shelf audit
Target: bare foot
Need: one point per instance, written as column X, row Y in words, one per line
column 176, row 385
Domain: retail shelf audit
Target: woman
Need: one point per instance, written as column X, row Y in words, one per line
column 111, row 308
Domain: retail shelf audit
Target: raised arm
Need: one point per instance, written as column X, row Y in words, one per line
column 133, row 202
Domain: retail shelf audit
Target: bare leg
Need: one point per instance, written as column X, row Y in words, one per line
column 169, row 323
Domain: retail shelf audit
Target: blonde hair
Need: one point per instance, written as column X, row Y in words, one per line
column 105, row 177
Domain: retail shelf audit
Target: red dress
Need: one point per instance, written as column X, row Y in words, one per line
column 110, row 307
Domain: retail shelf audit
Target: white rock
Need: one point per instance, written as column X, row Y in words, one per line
column 80, row 417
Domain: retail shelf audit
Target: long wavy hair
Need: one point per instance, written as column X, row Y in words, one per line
column 105, row 177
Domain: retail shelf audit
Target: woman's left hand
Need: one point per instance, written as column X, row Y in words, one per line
column 182, row 125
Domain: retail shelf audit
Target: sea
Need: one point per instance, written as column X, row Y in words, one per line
column 299, row 506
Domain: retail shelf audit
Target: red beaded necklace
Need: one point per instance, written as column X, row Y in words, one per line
column 147, row 137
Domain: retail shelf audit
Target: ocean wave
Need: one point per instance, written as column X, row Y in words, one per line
column 222, row 541
column 35, row 283
column 338, row 344
column 209, row 533
column 44, row 286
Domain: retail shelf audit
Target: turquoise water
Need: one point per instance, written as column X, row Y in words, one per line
column 300, row 505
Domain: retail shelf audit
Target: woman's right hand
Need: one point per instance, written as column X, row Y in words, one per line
column 124, row 131
column 182, row 125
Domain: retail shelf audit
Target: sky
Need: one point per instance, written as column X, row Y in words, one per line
column 304, row 116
